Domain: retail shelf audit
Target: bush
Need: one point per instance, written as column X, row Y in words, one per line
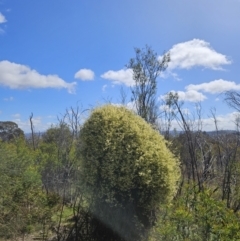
column 127, row 170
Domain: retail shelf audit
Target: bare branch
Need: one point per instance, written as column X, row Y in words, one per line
column 233, row 99
column 32, row 131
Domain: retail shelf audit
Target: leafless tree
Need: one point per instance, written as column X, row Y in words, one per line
column 196, row 150
column 233, row 99
column 227, row 163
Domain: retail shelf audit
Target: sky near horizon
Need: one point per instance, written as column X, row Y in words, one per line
column 59, row 54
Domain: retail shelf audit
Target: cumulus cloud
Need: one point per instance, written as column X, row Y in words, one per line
column 2, row 18
column 123, row 76
column 215, row 86
column 17, row 76
column 196, row 52
column 189, row 95
column 193, row 92
column 225, row 122
column 84, row 74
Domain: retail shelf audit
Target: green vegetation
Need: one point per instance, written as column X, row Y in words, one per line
column 22, row 202
column 146, row 67
column 127, row 168
column 9, row 130
column 114, row 178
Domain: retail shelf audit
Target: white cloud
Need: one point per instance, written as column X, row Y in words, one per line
column 132, row 106
column 167, row 109
column 84, row 74
column 123, row 76
column 196, row 52
column 9, row 99
column 193, row 92
column 39, row 125
column 2, row 18
column 225, row 122
column 164, row 108
column 215, row 86
column 104, row 88
column 17, row 116
column 17, row 76
column 189, row 95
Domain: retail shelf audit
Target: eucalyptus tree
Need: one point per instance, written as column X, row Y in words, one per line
column 146, row 67
column 9, row 130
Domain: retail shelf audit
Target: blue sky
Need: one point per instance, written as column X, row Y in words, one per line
column 57, row 54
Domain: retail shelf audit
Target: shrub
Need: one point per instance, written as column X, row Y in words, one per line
column 127, row 170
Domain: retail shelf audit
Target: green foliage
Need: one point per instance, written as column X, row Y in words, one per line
column 59, row 135
column 9, row 130
column 117, row 182
column 20, row 188
column 57, row 150
column 197, row 216
column 146, row 67
column 24, row 206
column 127, row 169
